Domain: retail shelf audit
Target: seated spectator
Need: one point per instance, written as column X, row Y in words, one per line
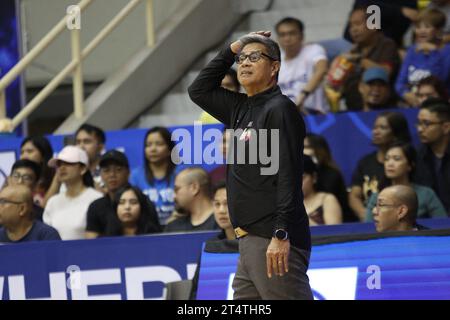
column 229, row 82
column 39, row 150
column 433, row 163
column 396, row 210
column 193, row 198
column 223, row 240
column 92, row 140
column 321, row 207
column 27, row 173
column 134, row 214
column 17, row 218
column 425, row 57
column 67, row 211
column 389, row 127
column 114, row 171
column 396, row 17
column 444, row 7
column 156, row 178
column 399, row 167
column 371, row 49
column 303, row 69
column 219, row 174
column 430, row 87
column 376, row 91
column 329, row 177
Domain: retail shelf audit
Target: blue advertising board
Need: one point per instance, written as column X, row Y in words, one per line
column 394, row 268
column 348, row 134
column 132, row 268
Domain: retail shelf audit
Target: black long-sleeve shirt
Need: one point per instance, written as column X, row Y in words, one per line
column 259, row 203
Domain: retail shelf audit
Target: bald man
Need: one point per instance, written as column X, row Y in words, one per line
column 396, row 209
column 16, row 217
column 193, row 197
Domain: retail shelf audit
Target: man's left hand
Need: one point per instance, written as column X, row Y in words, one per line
column 277, row 257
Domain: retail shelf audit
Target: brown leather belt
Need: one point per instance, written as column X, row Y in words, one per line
column 240, row 233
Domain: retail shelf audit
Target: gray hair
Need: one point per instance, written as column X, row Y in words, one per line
column 273, row 49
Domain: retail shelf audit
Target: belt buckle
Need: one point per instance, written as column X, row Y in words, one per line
column 239, row 232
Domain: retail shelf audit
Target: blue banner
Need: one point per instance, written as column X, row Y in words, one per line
column 132, row 268
column 348, row 134
column 397, row 268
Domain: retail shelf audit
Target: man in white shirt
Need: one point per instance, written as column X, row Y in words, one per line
column 303, row 67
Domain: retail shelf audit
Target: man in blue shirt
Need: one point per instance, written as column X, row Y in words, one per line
column 17, row 220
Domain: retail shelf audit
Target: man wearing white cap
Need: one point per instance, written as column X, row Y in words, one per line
column 66, row 211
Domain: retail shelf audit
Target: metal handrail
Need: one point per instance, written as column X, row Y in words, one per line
column 75, row 66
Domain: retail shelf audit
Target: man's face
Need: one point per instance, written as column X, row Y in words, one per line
column 426, row 91
column 386, row 212
column 257, row 74
column 183, row 195
column 24, row 176
column 11, row 207
column 430, row 127
column 89, row 143
column 114, row 176
column 289, row 37
column 358, row 27
column 375, row 93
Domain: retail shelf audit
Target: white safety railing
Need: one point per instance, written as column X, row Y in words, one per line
column 74, row 68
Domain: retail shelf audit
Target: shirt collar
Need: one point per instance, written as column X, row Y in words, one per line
column 260, row 98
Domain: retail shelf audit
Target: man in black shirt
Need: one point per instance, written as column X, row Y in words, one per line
column 266, row 205
column 193, row 200
column 433, row 161
column 114, row 171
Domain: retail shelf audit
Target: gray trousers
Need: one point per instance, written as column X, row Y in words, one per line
column 251, row 281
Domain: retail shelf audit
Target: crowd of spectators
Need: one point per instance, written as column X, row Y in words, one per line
column 87, row 192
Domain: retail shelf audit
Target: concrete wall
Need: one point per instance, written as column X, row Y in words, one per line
column 39, row 16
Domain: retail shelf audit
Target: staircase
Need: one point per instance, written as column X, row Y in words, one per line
column 323, row 19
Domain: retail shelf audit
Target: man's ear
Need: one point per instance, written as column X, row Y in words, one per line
column 275, row 68
column 195, row 188
column 446, row 126
column 403, row 212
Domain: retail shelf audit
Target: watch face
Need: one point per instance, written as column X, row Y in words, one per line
column 281, row 234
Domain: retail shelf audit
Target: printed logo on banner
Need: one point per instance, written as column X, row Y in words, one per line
column 334, row 283
column 7, row 159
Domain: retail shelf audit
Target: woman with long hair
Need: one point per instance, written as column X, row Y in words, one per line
column 329, row 178
column 135, row 214
column 156, row 178
column 322, row 207
column 399, row 166
column 67, row 211
column 389, row 127
column 39, row 150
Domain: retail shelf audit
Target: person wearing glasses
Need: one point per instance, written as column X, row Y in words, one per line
column 303, row 69
column 396, row 210
column 433, row 163
column 17, row 218
column 265, row 206
column 399, row 168
column 27, row 173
